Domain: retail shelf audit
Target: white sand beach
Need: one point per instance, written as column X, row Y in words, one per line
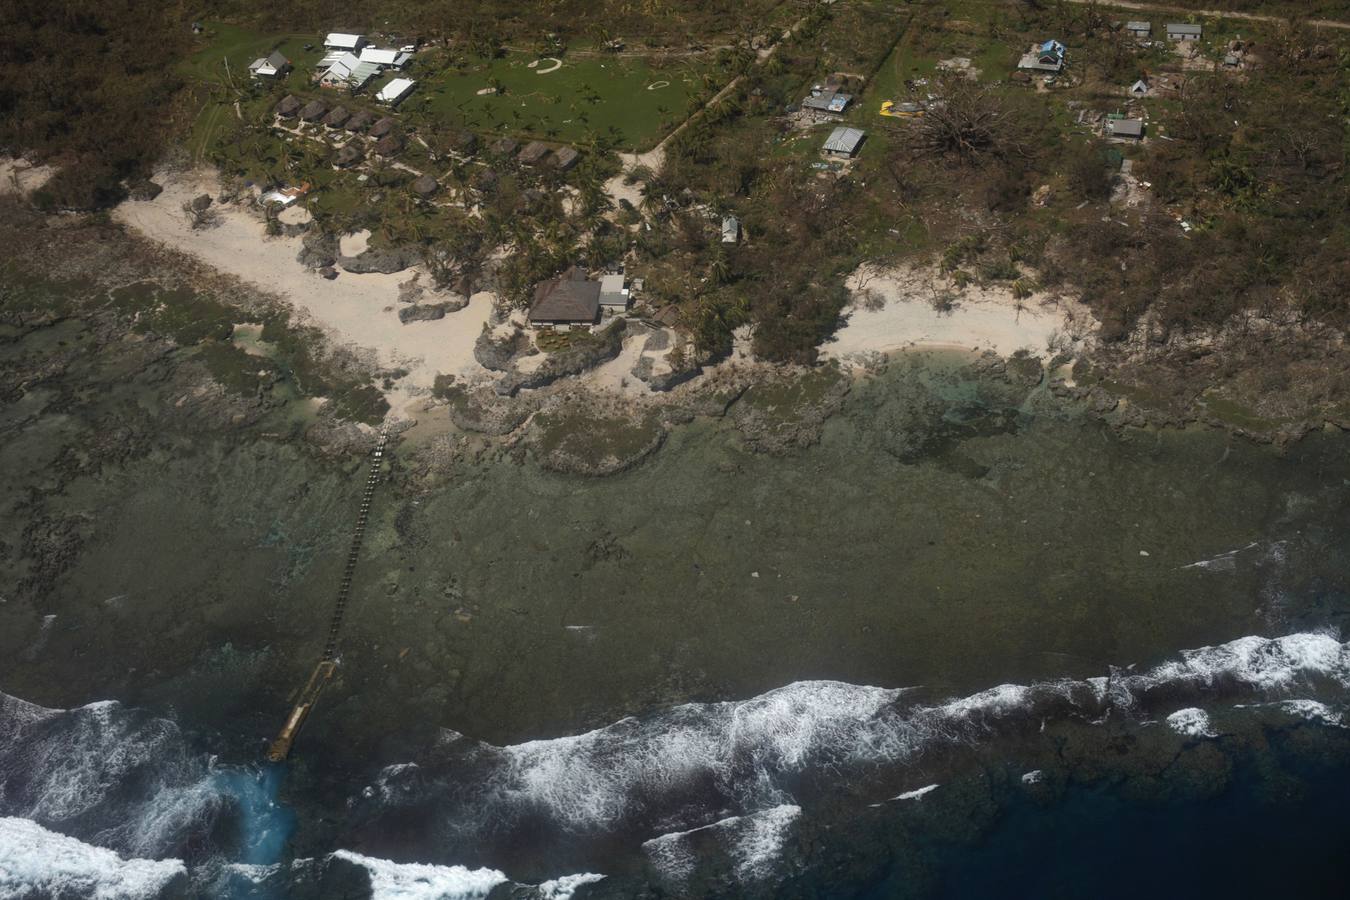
column 894, row 310
column 357, row 311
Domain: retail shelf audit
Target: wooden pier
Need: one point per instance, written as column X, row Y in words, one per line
column 323, row 672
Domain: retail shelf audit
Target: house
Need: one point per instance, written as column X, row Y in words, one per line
column 395, row 91
column 395, row 59
column 337, row 118
column 844, row 142
column 425, row 187
column 313, row 111
column 564, row 158
column 570, row 300
column 731, row 229
column 533, row 154
column 1140, row 88
column 1045, row 57
column 829, row 102
column 1139, row 29
column 359, row 121
column 288, row 107
column 1125, row 128
column 273, row 66
column 389, row 145
column 614, row 295
column 338, row 40
column 503, row 146
column 1180, row 31
column 382, row 127
column 349, row 72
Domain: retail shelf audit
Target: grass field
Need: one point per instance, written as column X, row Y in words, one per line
column 598, row 96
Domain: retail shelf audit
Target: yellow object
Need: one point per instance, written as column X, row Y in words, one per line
column 900, row 110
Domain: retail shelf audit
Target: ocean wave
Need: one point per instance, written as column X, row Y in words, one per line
column 418, row 881
column 751, row 844
column 38, row 863
column 695, row 764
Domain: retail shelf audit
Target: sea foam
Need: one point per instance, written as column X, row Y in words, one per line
column 418, row 881
column 35, row 862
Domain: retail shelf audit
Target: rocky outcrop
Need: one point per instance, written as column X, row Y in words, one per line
column 317, row 250
column 778, row 415
column 577, row 358
column 423, row 312
column 484, row 412
column 385, row 260
column 664, row 381
column 500, row 354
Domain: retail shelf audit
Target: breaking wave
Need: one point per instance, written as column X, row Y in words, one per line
column 35, row 863
column 699, row 764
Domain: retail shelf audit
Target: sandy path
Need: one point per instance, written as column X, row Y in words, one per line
column 357, row 311
column 980, row 319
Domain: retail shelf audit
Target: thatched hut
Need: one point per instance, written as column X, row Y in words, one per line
column 337, row 117
column 565, row 158
column 360, row 121
column 383, row 127
column 425, row 187
column 348, row 156
column 288, row 107
column 389, row 145
column 313, row 111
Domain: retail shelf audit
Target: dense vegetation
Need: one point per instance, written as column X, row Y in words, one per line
column 89, row 84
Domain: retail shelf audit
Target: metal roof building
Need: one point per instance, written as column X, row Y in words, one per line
column 338, row 40
column 1139, row 29
column 828, row 102
column 396, row 58
column 270, row 66
column 1130, row 128
column 844, row 141
column 394, row 92
column 1180, row 31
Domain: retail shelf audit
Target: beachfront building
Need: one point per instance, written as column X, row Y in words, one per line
column 1180, row 31
column 571, row 300
column 338, row 40
column 272, row 67
column 613, row 293
column 1129, row 129
column 1044, row 57
column 844, row 142
column 1139, row 29
column 395, row 91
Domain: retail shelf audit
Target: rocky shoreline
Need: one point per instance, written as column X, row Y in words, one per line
column 1272, row 384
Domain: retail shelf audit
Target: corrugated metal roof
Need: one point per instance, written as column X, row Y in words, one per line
column 343, row 40
column 395, row 90
column 844, row 140
column 1182, row 28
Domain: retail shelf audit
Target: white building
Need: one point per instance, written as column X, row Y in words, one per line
column 394, row 92
column 731, row 230
column 613, row 293
column 396, row 59
column 338, row 40
column 348, row 71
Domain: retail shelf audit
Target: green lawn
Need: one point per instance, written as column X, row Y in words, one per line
column 588, row 96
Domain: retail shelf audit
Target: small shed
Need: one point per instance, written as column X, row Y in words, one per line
column 389, row 145
column 337, row 117
column 1125, row 128
column 425, row 187
column 569, row 300
column 288, row 107
column 613, row 292
column 395, row 91
column 1140, row 88
column 534, row 153
column 359, row 121
column 844, row 141
column 338, row 40
column 565, row 158
column 1232, row 60
column 348, row 156
column 731, row 230
column 1139, row 29
column 270, row 67
column 504, row 146
column 383, row 127
column 1181, row 31
column 313, row 111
